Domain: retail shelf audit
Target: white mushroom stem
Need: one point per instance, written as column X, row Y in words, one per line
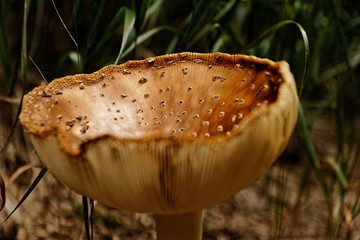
column 179, row 227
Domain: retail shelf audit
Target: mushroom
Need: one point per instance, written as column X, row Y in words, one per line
column 170, row 135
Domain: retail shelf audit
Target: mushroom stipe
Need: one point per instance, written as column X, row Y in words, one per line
column 171, row 135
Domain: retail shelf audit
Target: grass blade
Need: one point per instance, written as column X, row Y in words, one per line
column 225, row 10
column 74, row 11
column 210, row 27
column 311, row 152
column 23, row 70
column 2, row 193
column 341, row 176
column 202, row 32
column 37, row 67
column 4, row 46
column 13, row 128
column 109, row 31
column 92, row 209
column 218, row 45
column 140, row 7
column 195, row 21
column 36, row 33
column 86, row 217
column 308, row 140
column 88, row 220
column 281, row 200
column 145, row 36
column 23, row 62
column 172, row 44
column 153, row 9
column 28, row 191
column 343, row 43
column 278, row 26
column 129, row 21
column 95, row 24
column 62, row 22
column 340, row 122
column 75, row 60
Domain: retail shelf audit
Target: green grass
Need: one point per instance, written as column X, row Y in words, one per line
column 324, row 35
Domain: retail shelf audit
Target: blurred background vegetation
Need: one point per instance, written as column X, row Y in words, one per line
column 46, row 39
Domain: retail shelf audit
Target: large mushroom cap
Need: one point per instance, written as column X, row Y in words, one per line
column 169, row 134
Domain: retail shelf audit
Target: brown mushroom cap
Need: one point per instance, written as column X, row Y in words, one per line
column 170, row 134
